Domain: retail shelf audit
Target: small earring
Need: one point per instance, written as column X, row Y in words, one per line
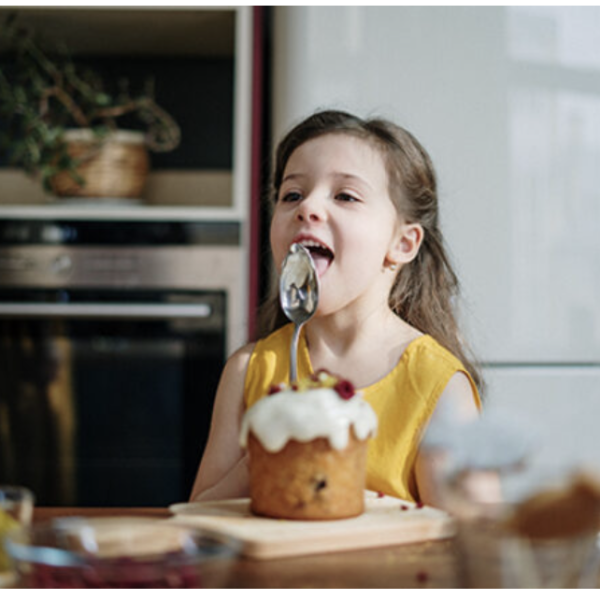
column 393, row 266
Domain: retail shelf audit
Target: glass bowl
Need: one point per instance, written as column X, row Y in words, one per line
column 114, row 552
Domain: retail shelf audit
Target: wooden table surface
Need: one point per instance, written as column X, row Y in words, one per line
column 422, row 565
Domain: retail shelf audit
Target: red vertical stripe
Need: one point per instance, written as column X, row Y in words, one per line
column 256, row 162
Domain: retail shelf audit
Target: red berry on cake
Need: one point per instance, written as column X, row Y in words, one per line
column 344, row 389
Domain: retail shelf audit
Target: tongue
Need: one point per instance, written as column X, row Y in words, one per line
column 321, row 263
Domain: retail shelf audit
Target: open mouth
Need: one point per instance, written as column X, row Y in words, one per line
column 322, row 256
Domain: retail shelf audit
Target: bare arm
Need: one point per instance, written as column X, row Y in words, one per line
column 223, row 471
column 458, row 402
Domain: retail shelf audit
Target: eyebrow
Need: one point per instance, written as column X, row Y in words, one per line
column 293, row 177
column 337, row 175
column 351, row 177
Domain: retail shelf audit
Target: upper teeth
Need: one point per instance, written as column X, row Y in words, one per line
column 313, row 244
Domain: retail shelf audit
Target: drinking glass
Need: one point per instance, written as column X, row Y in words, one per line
column 16, row 509
column 493, row 554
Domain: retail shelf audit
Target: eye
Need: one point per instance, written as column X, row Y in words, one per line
column 290, row 197
column 345, row 197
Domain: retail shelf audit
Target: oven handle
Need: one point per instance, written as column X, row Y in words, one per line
column 108, row 310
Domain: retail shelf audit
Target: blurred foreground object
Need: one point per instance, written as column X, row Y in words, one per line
column 114, row 552
column 16, row 510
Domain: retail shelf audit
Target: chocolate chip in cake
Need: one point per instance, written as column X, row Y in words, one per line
column 320, row 483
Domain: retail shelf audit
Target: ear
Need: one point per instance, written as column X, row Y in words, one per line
column 405, row 245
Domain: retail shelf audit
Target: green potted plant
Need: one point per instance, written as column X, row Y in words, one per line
column 61, row 122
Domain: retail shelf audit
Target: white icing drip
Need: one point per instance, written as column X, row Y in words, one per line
column 306, row 416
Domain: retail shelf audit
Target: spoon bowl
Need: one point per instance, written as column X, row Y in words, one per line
column 298, row 295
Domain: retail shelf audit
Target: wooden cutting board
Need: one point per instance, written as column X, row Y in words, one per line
column 385, row 522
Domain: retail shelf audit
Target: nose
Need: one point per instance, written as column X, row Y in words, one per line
column 311, row 209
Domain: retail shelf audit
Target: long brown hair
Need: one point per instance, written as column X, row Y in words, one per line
column 424, row 290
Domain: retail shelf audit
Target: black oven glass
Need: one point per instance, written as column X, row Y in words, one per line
column 108, row 411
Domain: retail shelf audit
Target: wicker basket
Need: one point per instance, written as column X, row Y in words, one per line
column 115, row 167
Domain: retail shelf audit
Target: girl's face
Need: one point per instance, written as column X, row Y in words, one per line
column 334, row 200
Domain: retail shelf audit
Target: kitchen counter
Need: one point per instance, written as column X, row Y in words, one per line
column 419, row 565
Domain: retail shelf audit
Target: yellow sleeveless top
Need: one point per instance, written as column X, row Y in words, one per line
column 403, row 400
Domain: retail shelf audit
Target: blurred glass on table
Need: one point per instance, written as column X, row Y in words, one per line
column 119, row 552
column 516, row 527
column 16, row 510
column 546, row 541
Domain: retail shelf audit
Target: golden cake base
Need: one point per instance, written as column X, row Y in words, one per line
column 308, row 480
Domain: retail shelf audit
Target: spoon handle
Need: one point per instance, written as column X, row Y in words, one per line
column 294, row 354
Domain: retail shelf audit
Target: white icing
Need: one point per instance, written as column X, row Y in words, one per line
column 305, row 416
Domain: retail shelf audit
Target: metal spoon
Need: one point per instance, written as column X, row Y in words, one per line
column 298, row 295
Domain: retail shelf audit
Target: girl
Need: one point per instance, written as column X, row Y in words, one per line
column 361, row 195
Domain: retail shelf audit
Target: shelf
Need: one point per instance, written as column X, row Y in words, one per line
column 112, row 211
column 145, row 31
column 199, row 183
column 167, row 192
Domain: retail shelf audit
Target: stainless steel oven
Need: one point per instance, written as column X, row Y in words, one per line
column 111, row 345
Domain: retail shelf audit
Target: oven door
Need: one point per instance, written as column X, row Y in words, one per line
column 106, row 400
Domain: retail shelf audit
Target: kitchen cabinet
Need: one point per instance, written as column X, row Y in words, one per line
column 145, row 297
column 204, row 63
column 201, row 63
